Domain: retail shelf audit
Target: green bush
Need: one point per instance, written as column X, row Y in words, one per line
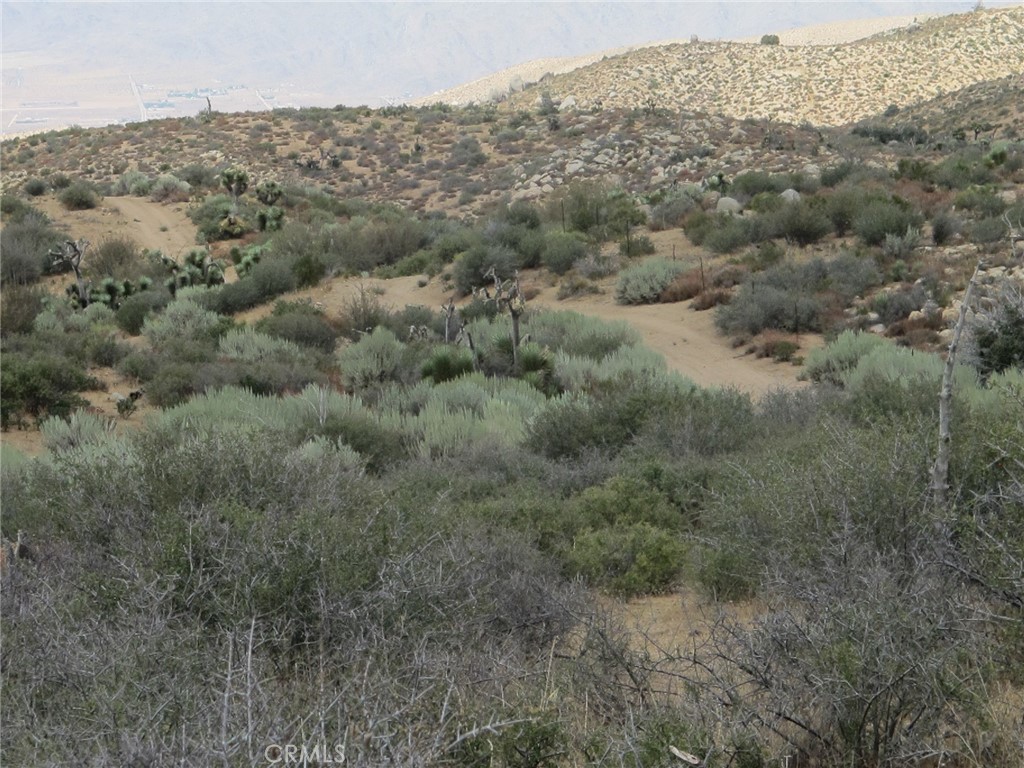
column 526, row 242
column 982, row 200
column 25, row 242
column 595, row 209
column 944, row 226
column 19, row 307
column 171, row 385
column 446, row 363
column 803, row 222
column 842, row 208
column 987, row 231
column 209, row 217
column 116, row 257
column 728, row 574
column 769, row 39
column 881, row 218
column 672, row 210
column 79, row 196
column 698, row 225
column 1000, row 341
column 752, row 183
column 636, row 245
column 963, row 169
column 34, row 187
column 631, row 560
column 269, row 278
column 893, row 306
column 644, row 283
column 900, row 247
column 198, row 176
column 561, row 251
column 608, row 420
column 134, row 183
column 471, row 267
column 139, row 365
column 39, row 385
column 306, row 327
column 756, row 308
column 836, row 174
column 728, row 235
column 381, row 446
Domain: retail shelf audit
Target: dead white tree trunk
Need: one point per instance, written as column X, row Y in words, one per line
column 509, row 296
column 449, row 318
column 940, row 469
column 71, row 253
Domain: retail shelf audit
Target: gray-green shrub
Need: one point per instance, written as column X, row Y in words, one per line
column 561, row 251
column 880, row 218
column 644, row 283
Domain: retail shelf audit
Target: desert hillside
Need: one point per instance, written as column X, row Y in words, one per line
column 558, row 432
column 822, row 84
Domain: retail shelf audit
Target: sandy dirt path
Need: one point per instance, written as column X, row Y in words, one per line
column 156, row 226
column 688, row 340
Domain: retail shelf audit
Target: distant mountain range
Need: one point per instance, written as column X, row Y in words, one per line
column 373, row 53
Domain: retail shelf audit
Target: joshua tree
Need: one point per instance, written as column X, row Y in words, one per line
column 235, row 181
column 268, row 192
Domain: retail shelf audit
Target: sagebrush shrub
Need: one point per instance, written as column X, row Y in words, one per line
column 181, row 320
column 757, row 307
column 644, row 283
column 900, row 246
column 831, row 363
column 168, row 188
column 372, row 361
column 79, row 196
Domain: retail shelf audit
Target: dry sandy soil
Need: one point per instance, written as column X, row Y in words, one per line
column 153, row 226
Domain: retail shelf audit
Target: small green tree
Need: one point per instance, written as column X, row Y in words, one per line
column 769, row 39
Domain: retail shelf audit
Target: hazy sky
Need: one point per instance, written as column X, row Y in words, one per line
column 121, row 54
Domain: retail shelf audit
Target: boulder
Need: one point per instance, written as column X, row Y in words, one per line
column 790, row 195
column 728, row 205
